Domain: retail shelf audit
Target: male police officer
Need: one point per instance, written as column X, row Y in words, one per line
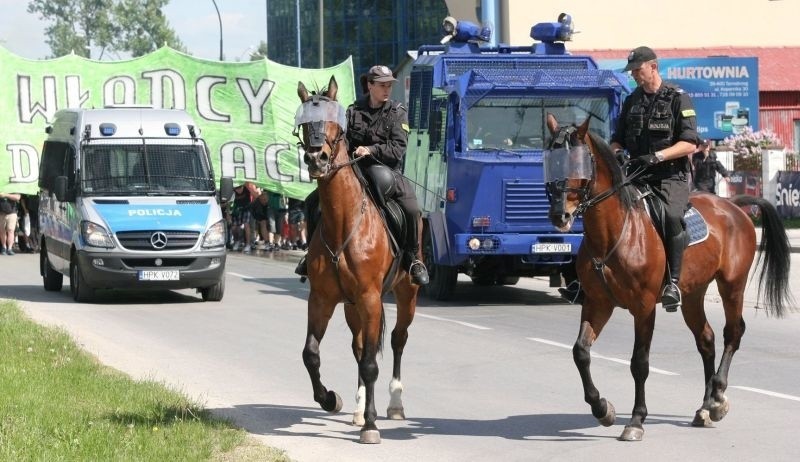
column 658, row 128
column 377, row 130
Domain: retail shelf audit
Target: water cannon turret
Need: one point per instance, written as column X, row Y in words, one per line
column 549, row 33
column 464, row 33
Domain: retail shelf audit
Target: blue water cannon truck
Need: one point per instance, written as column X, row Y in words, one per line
column 477, row 119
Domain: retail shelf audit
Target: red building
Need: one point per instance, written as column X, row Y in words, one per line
column 778, row 82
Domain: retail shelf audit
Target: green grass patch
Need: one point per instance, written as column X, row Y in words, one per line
column 57, row 403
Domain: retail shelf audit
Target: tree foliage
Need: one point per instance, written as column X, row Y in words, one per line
column 136, row 27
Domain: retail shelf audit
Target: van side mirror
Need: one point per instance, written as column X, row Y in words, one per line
column 225, row 188
column 60, row 188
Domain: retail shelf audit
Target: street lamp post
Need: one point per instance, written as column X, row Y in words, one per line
column 219, row 17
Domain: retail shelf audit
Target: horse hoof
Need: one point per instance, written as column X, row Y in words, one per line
column 720, row 410
column 395, row 413
column 701, row 418
column 358, row 419
column 610, row 417
column 631, row 434
column 333, row 402
column 370, row 437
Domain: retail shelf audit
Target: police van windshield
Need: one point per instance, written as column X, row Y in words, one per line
column 145, row 169
column 518, row 124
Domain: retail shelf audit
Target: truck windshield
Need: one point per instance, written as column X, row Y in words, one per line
column 518, row 124
column 132, row 169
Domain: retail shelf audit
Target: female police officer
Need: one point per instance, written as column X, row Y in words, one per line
column 658, row 128
column 377, row 130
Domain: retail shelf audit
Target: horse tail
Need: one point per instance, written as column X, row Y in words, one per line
column 775, row 252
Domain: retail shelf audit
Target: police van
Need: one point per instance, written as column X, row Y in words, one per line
column 128, row 200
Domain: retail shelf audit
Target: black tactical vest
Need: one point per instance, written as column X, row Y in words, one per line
column 650, row 125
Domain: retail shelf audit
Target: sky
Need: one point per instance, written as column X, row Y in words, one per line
column 195, row 21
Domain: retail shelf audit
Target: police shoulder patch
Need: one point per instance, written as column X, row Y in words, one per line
column 688, row 113
column 406, row 128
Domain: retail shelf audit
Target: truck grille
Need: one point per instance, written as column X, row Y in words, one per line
column 143, row 240
column 524, row 201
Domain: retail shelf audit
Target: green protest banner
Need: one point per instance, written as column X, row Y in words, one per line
column 245, row 111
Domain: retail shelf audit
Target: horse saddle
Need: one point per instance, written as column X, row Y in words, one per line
column 381, row 182
column 696, row 226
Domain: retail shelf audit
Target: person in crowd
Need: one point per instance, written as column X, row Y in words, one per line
column 297, row 223
column 260, row 210
column 277, row 215
column 241, row 215
column 705, row 168
column 377, row 130
column 8, row 221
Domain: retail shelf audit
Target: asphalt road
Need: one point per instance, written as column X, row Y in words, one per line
column 487, row 377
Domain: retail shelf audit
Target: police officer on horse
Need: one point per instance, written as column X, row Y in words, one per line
column 658, row 128
column 377, row 131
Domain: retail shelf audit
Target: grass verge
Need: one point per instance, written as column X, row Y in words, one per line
column 58, row 403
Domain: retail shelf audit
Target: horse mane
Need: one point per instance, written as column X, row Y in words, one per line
column 627, row 194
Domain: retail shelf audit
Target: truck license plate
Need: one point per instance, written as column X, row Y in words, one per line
column 552, row 247
column 159, row 275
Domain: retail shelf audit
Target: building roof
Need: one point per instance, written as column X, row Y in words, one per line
column 778, row 67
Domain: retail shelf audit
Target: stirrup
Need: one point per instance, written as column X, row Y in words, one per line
column 573, row 293
column 418, row 273
column 671, row 297
column 302, row 269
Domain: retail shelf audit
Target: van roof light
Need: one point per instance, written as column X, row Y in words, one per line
column 108, row 129
column 172, row 129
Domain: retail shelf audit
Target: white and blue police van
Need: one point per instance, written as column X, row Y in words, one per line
column 128, row 200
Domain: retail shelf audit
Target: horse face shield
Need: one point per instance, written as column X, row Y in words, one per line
column 317, row 117
column 567, row 171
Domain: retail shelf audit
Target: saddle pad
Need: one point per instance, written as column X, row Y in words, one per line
column 696, row 226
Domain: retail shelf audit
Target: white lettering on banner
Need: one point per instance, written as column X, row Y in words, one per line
column 272, row 164
column 155, row 213
column 24, row 163
column 128, row 93
column 74, row 96
column 708, row 72
column 230, row 164
column 158, row 79
column 28, row 109
column 255, row 100
column 205, row 86
column 787, row 196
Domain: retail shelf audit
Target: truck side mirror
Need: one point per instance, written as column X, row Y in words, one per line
column 225, row 188
column 60, row 188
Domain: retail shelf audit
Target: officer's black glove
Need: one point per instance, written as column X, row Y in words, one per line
column 647, row 160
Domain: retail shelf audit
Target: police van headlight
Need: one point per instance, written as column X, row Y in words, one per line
column 215, row 236
column 95, row 235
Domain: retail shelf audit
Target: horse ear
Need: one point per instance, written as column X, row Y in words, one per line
column 552, row 124
column 333, row 88
column 584, row 128
column 302, row 92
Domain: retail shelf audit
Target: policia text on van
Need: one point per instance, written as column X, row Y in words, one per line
column 128, row 200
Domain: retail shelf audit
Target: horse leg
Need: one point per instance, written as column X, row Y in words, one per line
column 732, row 302
column 406, row 295
column 319, row 313
column 640, row 369
column 695, row 318
column 372, row 322
column 592, row 322
column 354, row 323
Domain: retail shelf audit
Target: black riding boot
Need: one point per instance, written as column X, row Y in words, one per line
column 671, row 298
column 416, row 269
column 312, row 215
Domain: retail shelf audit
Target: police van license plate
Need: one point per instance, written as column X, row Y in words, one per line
column 159, row 275
column 552, row 247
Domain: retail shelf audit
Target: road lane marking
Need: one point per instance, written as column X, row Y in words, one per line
column 239, row 275
column 768, row 393
column 437, row 318
column 595, row 355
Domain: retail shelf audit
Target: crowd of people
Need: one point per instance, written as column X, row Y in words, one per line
column 264, row 220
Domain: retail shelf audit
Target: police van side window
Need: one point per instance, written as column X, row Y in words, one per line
column 53, row 163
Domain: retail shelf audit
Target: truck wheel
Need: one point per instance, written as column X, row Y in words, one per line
column 442, row 278
column 213, row 293
column 81, row 293
column 52, row 279
column 508, row 280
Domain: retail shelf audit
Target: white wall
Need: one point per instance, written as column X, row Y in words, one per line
column 626, row 24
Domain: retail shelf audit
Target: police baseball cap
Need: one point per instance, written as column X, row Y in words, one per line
column 380, row 74
column 639, row 56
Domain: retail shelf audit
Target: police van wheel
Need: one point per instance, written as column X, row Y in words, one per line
column 81, row 293
column 213, row 293
column 52, row 279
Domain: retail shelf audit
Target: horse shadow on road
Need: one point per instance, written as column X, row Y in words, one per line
column 279, row 420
